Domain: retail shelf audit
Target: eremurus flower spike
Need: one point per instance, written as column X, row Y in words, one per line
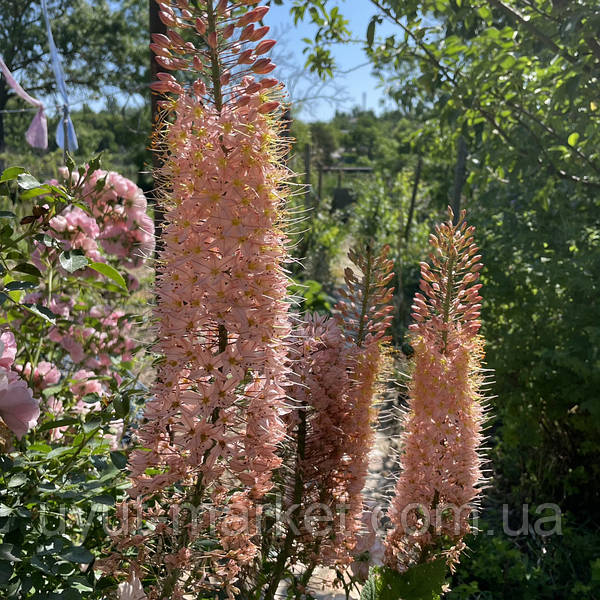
column 335, row 363
column 214, row 422
column 441, row 467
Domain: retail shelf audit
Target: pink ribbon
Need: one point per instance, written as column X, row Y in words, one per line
column 37, row 134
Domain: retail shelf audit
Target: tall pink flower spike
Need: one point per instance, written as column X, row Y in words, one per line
column 441, row 464
column 335, row 368
column 214, row 423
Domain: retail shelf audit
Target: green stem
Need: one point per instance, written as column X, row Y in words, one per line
column 82, row 445
column 304, row 581
column 297, row 499
column 215, row 65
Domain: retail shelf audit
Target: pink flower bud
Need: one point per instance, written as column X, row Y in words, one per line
column 167, row 19
column 263, row 66
column 253, row 16
column 211, row 39
column 246, row 33
column 161, row 39
column 268, row 82
column 259, row 33
column 175, row 38
column 200, row 26
column 268, row 107
column 245, row 58
column 264, row 46
column 228, row 31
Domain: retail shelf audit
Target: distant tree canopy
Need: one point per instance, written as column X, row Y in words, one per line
column 520, row 75
column 103, row 45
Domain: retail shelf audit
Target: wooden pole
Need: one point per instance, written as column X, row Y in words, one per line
column 400, row 317
column 155, row 26
column 65, row 124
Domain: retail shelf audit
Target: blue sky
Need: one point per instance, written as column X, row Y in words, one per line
column 346, row 90
column 355, row 88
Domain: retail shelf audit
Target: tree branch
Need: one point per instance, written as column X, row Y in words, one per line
column 516, row 16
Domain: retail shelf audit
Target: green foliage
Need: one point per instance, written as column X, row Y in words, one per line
column 120, row 134
column 421, row 582
column 59, row 483
column 517, row 81
column 311, row 296
column 530, row 566
column 101, row 43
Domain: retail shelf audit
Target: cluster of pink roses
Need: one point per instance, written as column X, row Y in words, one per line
column 116, row 226
column 18, row 408
column 77, row 231
column 117, row 223
column 119, row 208
column 94, row 346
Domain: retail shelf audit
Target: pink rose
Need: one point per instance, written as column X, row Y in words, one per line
column 8, row 349
column 18, row 409
column 48, row 373
column 85, row 383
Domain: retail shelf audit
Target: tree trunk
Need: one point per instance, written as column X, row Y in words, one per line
column 413, row 199
column 400, row 320
column 155, row 26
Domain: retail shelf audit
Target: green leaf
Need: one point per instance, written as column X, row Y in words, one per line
column 122, row 406
column 484, row 12
column 369, row 591
column 35, row 192
column 27, row 181
column 41, row 311
column 58, row 422
column 371, row 31
column 6, row 570
column 17, row 480
column 47, row 240
column 28, row 269
column 119, row 459
column 104, row 499
column 72, row 260
column 109, row 272
column 51, row 391
column 8, row 552
column 61, row 451
column 14, row 286
column 92, row 423
column 7, row 214
column 573, row 139
column 11, row 173
column 78, row 554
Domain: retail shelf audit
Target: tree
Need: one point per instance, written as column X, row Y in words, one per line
column 103, row 46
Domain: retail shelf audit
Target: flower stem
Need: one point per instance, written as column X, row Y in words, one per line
column 297, row 499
